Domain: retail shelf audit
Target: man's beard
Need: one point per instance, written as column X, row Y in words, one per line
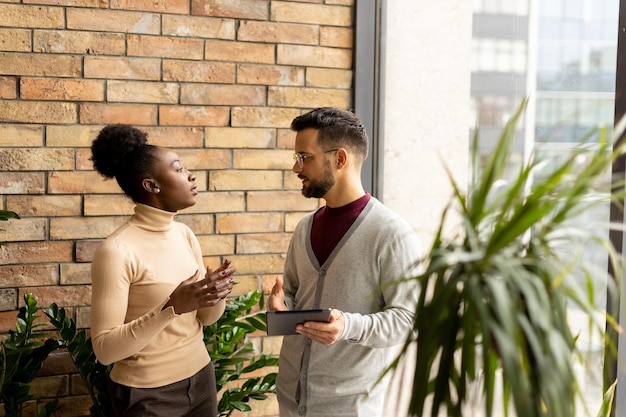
column 318, row 189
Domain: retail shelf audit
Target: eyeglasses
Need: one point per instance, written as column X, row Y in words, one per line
column 300, row 158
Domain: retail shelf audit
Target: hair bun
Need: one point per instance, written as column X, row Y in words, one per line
column 114, row 147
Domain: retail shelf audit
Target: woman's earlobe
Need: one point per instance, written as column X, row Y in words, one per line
column 150, row 186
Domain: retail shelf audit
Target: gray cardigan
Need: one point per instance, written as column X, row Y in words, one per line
column 360, row 278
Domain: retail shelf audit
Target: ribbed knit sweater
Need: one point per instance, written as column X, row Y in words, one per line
column 133, row 273
column 362, row 278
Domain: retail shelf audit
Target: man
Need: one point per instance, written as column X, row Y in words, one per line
column 352, row 256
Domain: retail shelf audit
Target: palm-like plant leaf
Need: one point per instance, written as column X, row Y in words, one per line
column 495, row 295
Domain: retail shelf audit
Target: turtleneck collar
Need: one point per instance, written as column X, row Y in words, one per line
column 152, row 219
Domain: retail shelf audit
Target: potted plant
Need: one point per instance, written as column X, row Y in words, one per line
column 493, row 311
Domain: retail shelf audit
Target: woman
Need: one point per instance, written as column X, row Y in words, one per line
column 151, row 293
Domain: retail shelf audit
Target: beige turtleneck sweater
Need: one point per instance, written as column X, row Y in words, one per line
column 133, row 273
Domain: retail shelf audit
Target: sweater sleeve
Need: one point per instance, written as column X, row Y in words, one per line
column 112, row 338
column 400, row 262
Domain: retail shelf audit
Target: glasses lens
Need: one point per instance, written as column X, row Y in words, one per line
column 298, row 158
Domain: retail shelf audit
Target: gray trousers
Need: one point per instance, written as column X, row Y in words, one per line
column 191, row 397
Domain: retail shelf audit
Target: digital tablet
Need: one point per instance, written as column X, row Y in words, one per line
column 284, row 322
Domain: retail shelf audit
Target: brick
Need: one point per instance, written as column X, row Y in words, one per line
column 193, row 116
column 319, row 14
column 142, row 92
column 15, row 40
column 263, row 243
column 328, row 78
column 108, row 205
column 285, row 139
column 23, row 230
column 79, row 42
column 203, row 159
column 49, row 65
column 313, row 56
column 200, row 72
column 225, row 95
column 8, row 299
column 259, row 53
column 80, row 183
column 32, row 16
column 122, row 68
column 273, row 32
column 337, row 37
column 241, row 9
column 280, row 201
column 133, row 114
column 71, row 136
column 76, row 406
column 82, row 317
column 74, row 3
column 72, row 274
column 66, row 228
column 292, row 182
column 244, row 284
column 231, row 180
column 28, row 275
column 292, row 219
column 234, row 137
column 37, row 112
column 201, row 224
column 113, row 21
column 165, row 47
column 63, row 296
column 85, row 249
column 249, row 222
column 258, row 264
column 58, row 362
column 198, row 27
column 175, row 137
column 217, row 244
column 20, row 135
column 269, row 75
column 8, row 90
column 21, row 182
column 83, row 159
column 308, row 97
column 167, row 6
column 45, row 205
column 37, row 159
column 262, row 116
column 77, row 385
column 218, row 202
column 61, row 89
column 262, row 159
column 36, row 252
column 50, row 386
column 341, row 2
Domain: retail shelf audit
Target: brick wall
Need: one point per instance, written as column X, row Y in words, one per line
column 219, row 81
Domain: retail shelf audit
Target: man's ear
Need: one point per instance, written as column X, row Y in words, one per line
column 150, row 185
column 342, row 158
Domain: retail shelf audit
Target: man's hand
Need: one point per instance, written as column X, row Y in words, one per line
column 325, row 333
column 276, row 301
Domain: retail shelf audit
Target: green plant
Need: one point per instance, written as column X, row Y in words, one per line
column 95, row 375
column 495, row 294
column 22, row 355
column 232, row 354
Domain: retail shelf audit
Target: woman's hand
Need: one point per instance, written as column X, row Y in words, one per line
column 192, row 294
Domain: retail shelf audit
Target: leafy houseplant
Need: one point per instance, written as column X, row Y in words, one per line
column 231, row 353
column 495, row 295
column 22, row 355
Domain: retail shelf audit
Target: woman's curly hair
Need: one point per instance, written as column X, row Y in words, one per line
column 122, row 152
